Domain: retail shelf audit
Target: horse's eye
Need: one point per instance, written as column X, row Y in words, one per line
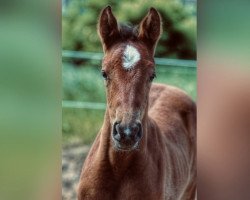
column 151, row 78
column 104, row 74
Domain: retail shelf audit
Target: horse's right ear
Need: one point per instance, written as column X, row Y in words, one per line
column 107, row 28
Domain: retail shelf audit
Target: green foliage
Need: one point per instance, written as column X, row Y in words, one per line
column 82, row 84
column 179, row 25
column 81, row 124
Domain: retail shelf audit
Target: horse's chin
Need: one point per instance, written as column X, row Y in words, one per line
column 125, row 147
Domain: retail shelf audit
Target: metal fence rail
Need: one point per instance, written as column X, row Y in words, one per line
column 99, row 56
column 83, row 105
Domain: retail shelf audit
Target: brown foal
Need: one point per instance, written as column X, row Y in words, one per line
column 146, row 148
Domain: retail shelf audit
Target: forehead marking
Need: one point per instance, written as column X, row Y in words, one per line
column 130, row 57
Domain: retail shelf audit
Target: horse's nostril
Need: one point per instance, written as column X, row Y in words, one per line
column 115, row 127
column 116, row 133
column 139, row 130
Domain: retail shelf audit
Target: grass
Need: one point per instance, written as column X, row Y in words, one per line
column 86, row 84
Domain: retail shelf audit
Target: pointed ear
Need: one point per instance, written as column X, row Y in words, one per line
column 107, row 28
column 150, row 28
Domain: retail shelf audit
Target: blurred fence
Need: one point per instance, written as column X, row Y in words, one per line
column 98, row 57
column 158, row 61
column 83, row 105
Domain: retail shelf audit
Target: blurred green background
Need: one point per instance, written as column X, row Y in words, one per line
column 82, row 81
column 79, row 19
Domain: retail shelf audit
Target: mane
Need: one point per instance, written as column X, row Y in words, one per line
column 128, row 32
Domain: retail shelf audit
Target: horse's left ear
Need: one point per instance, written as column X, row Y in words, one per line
column 150, row 28
column 107, row 28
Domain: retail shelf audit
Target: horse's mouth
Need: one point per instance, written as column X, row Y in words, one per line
column 125, row 147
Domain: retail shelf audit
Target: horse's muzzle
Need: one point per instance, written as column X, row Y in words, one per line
column 126, row 136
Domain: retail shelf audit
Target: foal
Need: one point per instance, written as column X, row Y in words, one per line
column 146, row 148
